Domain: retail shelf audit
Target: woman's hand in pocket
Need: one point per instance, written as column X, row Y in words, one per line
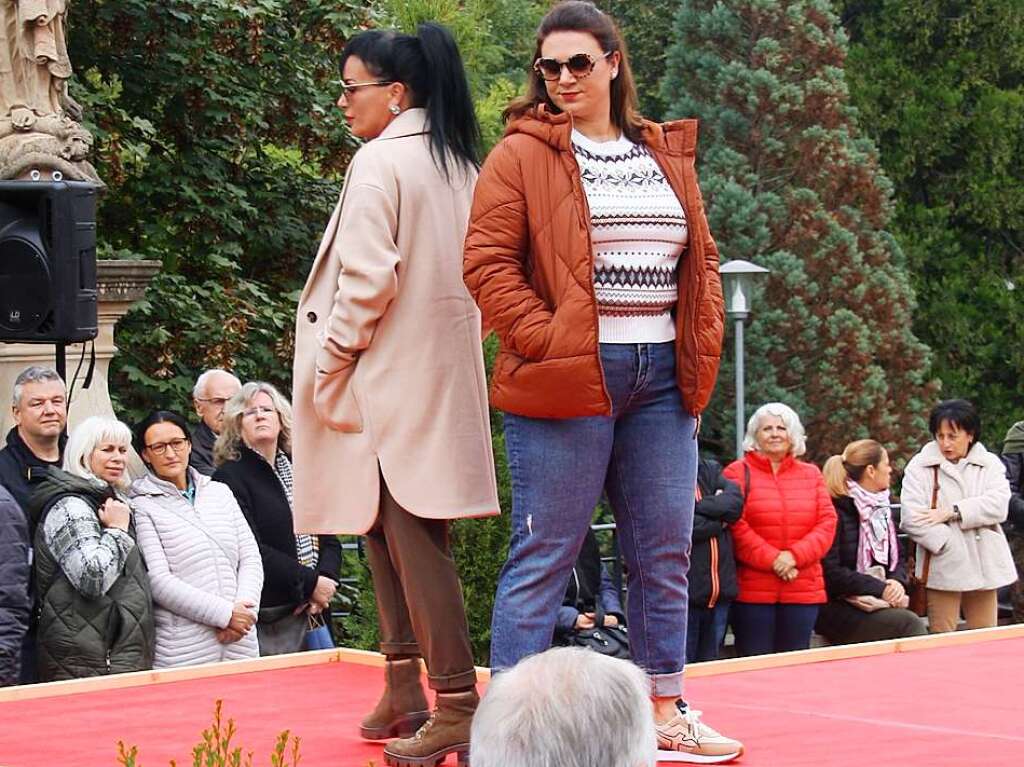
column 333, row 400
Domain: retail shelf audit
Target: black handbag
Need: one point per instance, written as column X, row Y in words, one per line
column 612, row 641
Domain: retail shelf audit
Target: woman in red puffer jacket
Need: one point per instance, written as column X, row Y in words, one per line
column 787, row 527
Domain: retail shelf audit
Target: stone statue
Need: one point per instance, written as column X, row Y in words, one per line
column 39, row 128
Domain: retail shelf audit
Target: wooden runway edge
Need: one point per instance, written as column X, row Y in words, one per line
column 367, row 658
column 844, row 652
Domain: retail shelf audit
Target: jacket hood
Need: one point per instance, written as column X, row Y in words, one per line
column 555, row 129
column 25, row 456
column 58, row 484
column 1014, row 441
column 151, row 484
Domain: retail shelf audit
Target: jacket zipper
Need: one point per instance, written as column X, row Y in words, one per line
column 715, row 591
column 693, row 267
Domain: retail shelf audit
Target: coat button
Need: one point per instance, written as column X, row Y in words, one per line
column 311, row 316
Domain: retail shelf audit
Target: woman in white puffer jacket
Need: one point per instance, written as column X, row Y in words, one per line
column 959, row 536
column 204, row 563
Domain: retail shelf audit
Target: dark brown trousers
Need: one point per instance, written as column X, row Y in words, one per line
column 419, row 596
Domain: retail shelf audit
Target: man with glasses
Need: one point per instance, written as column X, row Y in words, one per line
column 212, row 390
column 35, row 444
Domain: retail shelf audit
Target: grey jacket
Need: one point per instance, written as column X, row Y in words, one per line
column 15, row 600
column 973, row 554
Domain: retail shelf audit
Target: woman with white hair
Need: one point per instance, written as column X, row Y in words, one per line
column 92, row 590
column 787, row 527
column 300, row 571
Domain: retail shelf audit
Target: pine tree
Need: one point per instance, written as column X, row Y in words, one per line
column 792, row 184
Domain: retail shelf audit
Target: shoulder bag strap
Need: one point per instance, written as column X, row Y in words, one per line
column 935, row 505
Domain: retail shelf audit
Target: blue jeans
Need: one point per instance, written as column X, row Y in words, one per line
column 644, row 456
column 762, row 629
column 705, row 632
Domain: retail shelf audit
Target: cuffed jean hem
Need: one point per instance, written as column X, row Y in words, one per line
column 667, row 685
column 399, row 648
column 459, row 681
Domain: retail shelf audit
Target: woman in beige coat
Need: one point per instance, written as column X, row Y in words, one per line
column 959, row 538
column 391, row 435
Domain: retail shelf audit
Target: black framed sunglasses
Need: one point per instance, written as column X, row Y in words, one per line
column 580, row 65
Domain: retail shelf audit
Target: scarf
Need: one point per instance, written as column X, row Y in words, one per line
column 307, row 547
column 877, row 539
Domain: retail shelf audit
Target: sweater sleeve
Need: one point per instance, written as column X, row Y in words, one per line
column 90, row 556
column 496, row 250
column 328, row 562
column 812, row 547
column 169, row 591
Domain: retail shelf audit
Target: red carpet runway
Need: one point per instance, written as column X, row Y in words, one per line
column 933, row 702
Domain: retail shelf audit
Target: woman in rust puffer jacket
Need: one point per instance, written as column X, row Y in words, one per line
column 589, row 255
column 787, row 527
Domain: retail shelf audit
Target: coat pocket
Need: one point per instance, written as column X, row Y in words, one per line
column 334, row 402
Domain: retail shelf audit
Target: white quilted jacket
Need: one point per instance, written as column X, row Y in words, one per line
column 201, row 561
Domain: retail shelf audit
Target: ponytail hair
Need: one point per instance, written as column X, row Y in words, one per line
column 429, row 65
column 851, row 465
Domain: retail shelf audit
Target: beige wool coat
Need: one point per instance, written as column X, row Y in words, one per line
column 389, row 368
column 972, row 554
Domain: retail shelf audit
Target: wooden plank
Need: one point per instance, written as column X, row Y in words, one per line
column 843, row 652
column 367, row 658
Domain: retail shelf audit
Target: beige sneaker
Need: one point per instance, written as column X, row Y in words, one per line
column 685, row 738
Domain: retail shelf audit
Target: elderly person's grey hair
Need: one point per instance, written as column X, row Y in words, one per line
column 33, row 374
column 568, row 707
column 86, row 437
column 199, row 390
column 226, row 447
column 789, row 417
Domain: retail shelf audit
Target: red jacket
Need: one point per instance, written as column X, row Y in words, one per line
column 792, row 511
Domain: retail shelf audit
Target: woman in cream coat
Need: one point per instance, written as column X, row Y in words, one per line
column 961, row 536
column 391, row 432
column 204, row 564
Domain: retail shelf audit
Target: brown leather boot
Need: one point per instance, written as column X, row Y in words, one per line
column 403, row 708
column 445, row 732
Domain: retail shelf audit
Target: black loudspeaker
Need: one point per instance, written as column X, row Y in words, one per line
column 47, row 261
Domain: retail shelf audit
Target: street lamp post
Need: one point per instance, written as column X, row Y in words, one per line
column 737, row 281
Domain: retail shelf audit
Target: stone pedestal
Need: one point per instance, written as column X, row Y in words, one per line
column 120, row 284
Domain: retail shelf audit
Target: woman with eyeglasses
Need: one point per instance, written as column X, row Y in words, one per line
column 392, row 428
column 300, row 572
column 589, row 254
column 204, row 565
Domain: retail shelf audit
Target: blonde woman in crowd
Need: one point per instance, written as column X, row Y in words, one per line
column 865, row 577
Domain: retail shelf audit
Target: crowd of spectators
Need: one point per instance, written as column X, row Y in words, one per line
column 99, row 574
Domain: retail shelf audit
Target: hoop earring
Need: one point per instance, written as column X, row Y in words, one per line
column 395, row 109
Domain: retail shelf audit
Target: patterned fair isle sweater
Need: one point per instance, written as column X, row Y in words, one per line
column 638, row 230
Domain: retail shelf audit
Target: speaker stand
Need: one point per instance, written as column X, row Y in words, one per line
column 62, row 362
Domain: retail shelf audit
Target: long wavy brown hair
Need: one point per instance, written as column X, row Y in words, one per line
column 580, row 16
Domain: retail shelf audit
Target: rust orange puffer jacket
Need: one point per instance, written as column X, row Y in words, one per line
column 789, row 511
column 529, row 264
